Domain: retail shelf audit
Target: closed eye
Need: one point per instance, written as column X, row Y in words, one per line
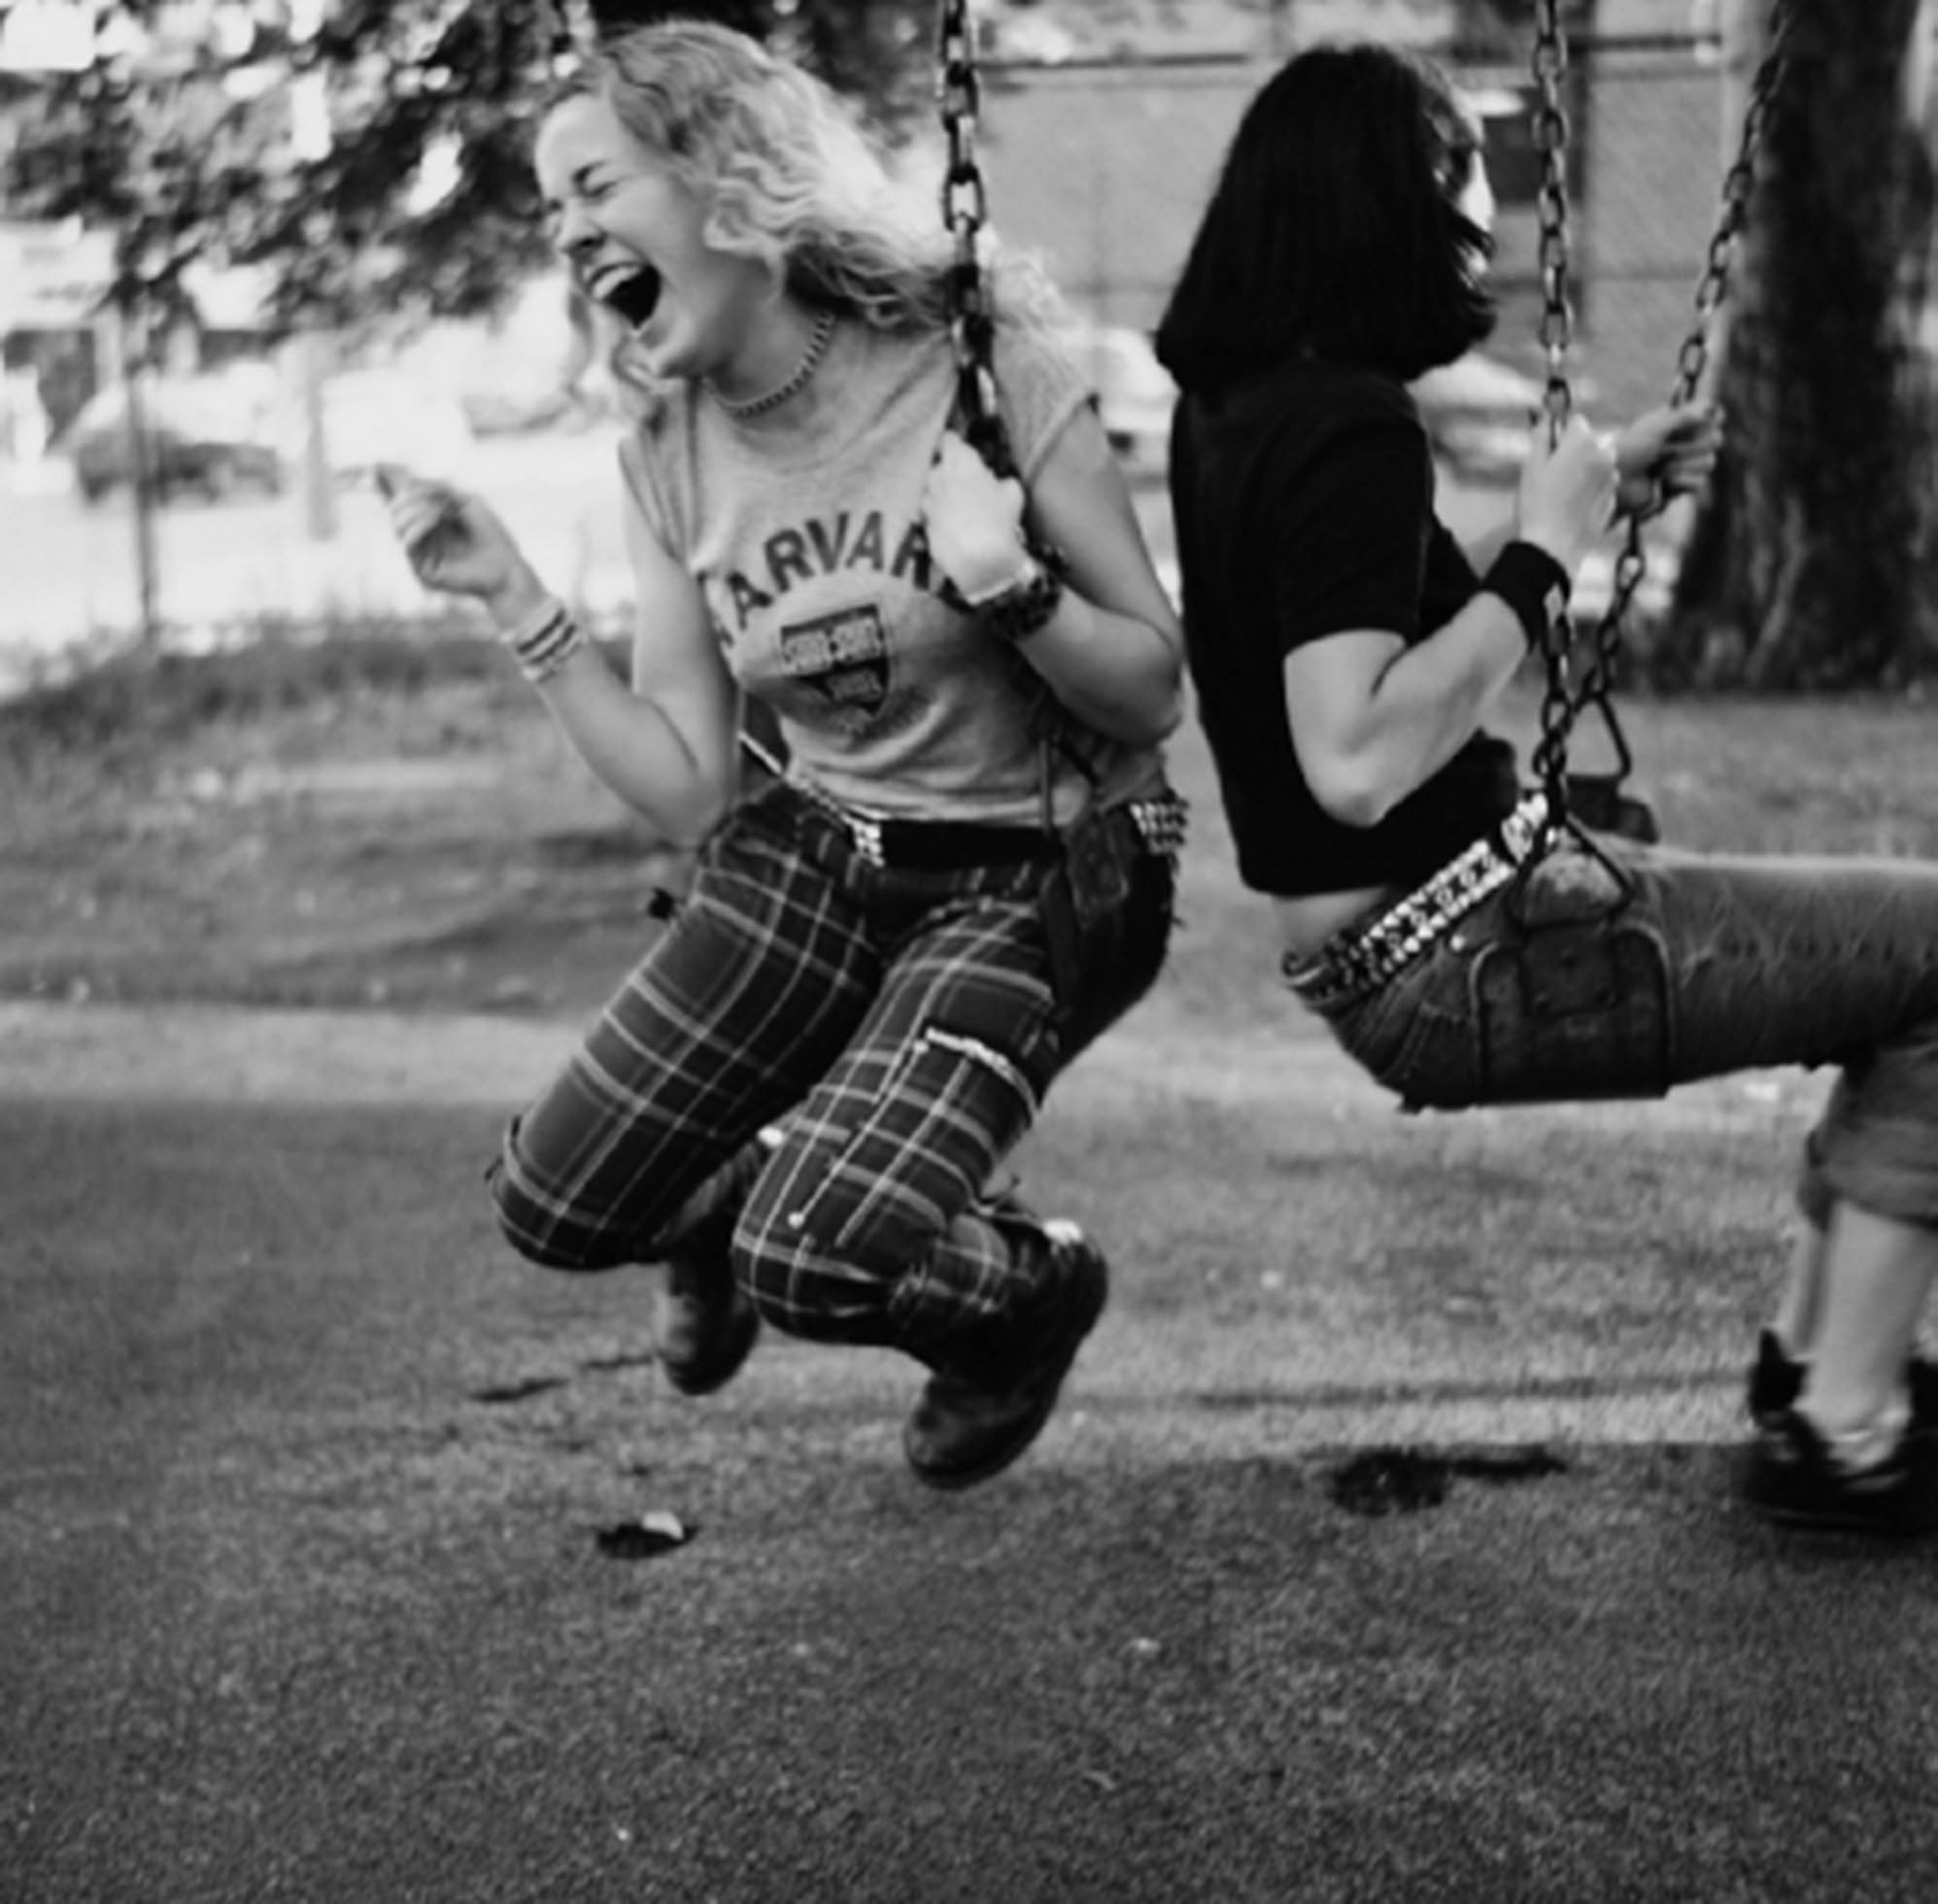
column 584, row 188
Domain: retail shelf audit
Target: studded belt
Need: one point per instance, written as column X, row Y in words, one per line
column 1363, row 956
column 954, row 845
column 1161, row 821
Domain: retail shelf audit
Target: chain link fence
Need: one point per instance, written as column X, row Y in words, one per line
column 1105, row 169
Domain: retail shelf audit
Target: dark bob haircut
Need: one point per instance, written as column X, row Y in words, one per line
column 1333, row 229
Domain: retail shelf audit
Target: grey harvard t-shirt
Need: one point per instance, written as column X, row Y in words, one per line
column 810, row 553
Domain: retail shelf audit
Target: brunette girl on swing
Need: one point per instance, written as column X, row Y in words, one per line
column 1346, row 653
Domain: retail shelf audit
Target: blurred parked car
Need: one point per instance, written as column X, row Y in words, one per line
column 1477, row 412
column 1133, row 391
column 202, row 437
column 385, row 416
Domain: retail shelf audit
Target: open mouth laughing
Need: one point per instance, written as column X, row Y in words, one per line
column 633, row 291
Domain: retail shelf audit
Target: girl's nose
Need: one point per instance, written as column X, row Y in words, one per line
column 574, row 233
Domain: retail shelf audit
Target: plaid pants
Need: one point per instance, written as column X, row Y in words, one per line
column 899, row 1029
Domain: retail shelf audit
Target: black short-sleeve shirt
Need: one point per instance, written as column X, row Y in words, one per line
column 1303, row 503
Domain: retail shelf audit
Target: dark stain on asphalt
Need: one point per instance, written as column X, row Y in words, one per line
column 1386, row 1480
column 518, row 1391
column 529, row 1385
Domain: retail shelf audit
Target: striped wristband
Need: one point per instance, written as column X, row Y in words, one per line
column 1532, row 584
column 544, row 641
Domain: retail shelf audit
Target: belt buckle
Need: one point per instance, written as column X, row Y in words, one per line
column 863, row 832
column 1522, row 830
column 867, row 837
column 1161, row 821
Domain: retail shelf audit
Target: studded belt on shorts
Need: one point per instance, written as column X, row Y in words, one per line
column 1362, row 957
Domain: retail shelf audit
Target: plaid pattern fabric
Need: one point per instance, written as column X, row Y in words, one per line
column 897, row 1026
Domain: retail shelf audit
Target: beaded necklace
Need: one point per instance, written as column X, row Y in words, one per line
column 792, row 385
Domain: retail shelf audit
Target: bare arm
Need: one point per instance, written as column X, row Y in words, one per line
column 665, row 744
column 1372, row 719
column 1114, row 653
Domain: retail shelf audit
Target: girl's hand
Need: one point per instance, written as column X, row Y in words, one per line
column 1667, row 453
column 1567, row 490
column 453, row 543
column 975, row 522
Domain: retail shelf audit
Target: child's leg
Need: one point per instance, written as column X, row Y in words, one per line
column 1876, row 1275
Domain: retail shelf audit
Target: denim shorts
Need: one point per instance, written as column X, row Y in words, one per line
column 1658, row 967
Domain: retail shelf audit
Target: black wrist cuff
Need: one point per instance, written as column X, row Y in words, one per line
column 1532, row 584
column 1025, row 607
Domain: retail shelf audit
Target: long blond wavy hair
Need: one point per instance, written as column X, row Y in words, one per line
column 790, row 177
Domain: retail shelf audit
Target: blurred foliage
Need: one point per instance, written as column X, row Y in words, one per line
column 133, row 701
column 192, row 149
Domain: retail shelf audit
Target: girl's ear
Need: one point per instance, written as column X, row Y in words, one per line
column 726, row 228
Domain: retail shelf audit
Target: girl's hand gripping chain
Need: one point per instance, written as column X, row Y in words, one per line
column 1666, row 453
column 975, row 522
column 1567, row 490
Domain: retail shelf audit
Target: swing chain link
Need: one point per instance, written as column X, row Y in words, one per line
column 964, row 212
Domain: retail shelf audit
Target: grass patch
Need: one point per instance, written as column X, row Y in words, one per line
column 382, row 811
column 138, row 700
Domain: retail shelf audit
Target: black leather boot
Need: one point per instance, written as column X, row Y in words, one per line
column 983, row 1407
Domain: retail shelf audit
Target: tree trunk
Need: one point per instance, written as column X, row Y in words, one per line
column 1809, row 564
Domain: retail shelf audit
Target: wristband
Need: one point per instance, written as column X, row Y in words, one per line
column 544, row 641
column 1025, row 607
column 1534, row 584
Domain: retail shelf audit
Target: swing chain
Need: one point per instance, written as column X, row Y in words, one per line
column 1738, row 185
column 1549, row 757
column 1692, row 358
column 964, row 212
column 978, row 413
column 1551, row 133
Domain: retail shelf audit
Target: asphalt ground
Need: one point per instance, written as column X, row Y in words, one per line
column 325, row 1572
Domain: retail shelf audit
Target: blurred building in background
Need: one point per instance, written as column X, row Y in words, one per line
column 1127, row 107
